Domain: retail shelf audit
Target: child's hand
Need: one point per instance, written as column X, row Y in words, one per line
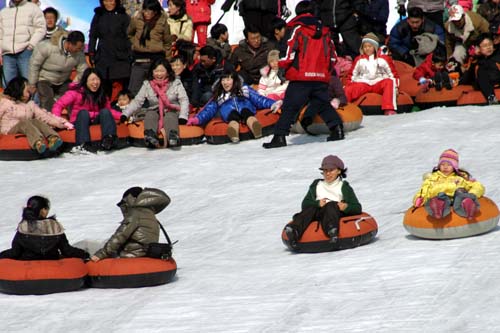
column 193, row 121
column 342, row 206
column 419, row 202
column 323, row 202
column 95, row 258
column 335, row 103
column 68, row 125
column 276, row 106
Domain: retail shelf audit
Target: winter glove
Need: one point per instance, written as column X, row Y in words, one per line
column 402, row 10
column 422, row 80
column 335, row 103
column 182, row 121
column 68, row 125
column 276, row 106
column 419, row 202
column 193, row 121
column 123, row 118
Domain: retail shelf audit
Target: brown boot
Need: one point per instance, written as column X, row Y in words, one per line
column 233, row 131
column 255, row 127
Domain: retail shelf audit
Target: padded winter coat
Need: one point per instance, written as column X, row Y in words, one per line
column 139, row 226
column 45, row 241
column 250, row 60
column 402, row 40
column 372, row 69
column 199, row 11
column 334, row 13
column 160, row 38
column 49, row 61
column 21, row 26
column 270, row 6
column 428, row 6
column 475, row 25
column 349, row 197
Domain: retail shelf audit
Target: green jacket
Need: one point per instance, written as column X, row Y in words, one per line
column 139, row 226
column 353, row 205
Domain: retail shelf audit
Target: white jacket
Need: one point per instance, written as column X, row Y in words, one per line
column 372, row 69
column 21, row 26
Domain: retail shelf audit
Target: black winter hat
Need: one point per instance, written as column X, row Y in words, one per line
column 133, row 191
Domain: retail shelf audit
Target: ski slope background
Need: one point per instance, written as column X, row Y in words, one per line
column 229, row 205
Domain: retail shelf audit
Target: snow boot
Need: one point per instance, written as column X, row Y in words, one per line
column 492, row 100
column 107, row 142
column 336, row 133
column 276, row 142
column 54, row 142
column 292, row 235
column 437, row 207
column 447, row 81
column 40, row 147
column 389, row 112
column 173, row 139
column 150, row 139
column 233, row 131
column 255, row 127
column 333, row 234
column 469, row 207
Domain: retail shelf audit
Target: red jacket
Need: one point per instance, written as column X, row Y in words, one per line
column 199, row 10
column 426, row 69
column 310, row 51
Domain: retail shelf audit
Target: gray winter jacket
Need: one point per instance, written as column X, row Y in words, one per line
column 428, row 6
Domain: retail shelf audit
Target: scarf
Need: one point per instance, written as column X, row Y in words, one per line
column 160, row 88
column 146, row 32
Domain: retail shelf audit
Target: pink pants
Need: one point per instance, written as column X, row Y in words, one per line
column 386, row 88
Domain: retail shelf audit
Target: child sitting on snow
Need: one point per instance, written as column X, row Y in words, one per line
column 448, row 185
column 373, row 71
column 327, row 200
column 236, row 103
column 272, row 83
column 432, row 72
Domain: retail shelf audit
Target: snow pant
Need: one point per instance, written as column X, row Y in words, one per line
column 261, row 20
column 15, row 65
column 138, row 74
column 48, row 91
column 240, row 117
column 83, row 122
column 458, row 197
column 328, row 216
column 486, row 79
column 201, row 33
column 387, row 88
column 34, row 130
column 297, row 95
column 170, row 122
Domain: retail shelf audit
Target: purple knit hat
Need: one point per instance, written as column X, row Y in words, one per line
column 332, row 162
column 450, row 156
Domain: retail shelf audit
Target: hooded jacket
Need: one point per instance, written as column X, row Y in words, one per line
column 139, row 226
column 43, row 240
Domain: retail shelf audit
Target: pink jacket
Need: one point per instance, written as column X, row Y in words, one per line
column 12, row 113
column 73, row 99
column 199, row 10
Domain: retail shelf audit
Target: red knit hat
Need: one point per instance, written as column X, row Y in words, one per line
column 450, row 156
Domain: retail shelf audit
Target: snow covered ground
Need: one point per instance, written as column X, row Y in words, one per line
column 229, row 205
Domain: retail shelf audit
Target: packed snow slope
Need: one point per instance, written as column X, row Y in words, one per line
column 229, row 205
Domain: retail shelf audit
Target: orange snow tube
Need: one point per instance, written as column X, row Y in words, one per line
column 350, row 114
column 216, row 129
column 15, row 147
column 189, row 135
column 370, row 103
column 39, row 277
column 444, row 97
column 130, row 272
column 354, row 231
column 69, row 136
column 406, row 81
column 475, row 97
column 418, row 223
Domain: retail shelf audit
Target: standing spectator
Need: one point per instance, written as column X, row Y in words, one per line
column 279, row 37
column 149, row 34
column 200, row 13
column 462, row 31
column 373, row 18
column 219, row 40
column 52, row 63
column 307, row 65
column 251, row 55
column 181, row 26
column 51, row 16
column 109, row 47
column 403, row 41
column 433, row 9
column 490, row 10
column 22, row 26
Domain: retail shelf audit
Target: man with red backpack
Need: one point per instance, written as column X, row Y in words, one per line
column 308, row 63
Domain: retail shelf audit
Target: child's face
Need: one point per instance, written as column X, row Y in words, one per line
column 44, row 212
column 446, row 168
column 273, row 64
column 439, row 66
column 177, row 67
column 123, row 100
column 330, row 174
column 160, row 72
column 227, row 83
column 368, row 49
column 486, row 47
column 26, row 94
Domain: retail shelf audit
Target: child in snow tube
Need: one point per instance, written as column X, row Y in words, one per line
column 236, row 103
column 327, row 200
column 449, row 186
column 139, row 227
column 39, row 237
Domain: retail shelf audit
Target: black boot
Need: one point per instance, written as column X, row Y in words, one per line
column 276, row 142
column 108, row 142
column 150, row 139
column 336, row 133
column 438, row 81
column 173, row 139
column 305, row 122
column 447, row 81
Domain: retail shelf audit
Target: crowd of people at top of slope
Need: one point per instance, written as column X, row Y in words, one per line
column 166, row 76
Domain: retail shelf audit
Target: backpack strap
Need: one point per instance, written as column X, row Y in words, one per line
column 165, row 233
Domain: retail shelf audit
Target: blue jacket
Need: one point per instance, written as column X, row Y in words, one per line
column 250, row 100
column 402, row 40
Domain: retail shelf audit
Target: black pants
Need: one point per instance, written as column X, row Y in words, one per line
column 298, row 94
column 83, row 121
column 487, row 78
column 47, row 91
column 328, row 216
column 351, row 39
column 436, row 17
column 240, row 117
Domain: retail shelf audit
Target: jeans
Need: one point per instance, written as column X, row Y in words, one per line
column 83, row 122
column 15, row 65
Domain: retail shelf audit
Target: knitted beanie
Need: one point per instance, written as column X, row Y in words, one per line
column 331, row 162
column 450, row 156
column 273, row 55
column 370, row 38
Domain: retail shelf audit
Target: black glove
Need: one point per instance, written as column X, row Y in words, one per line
column 402, row 10
column 123, row 118
column 182, row 121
